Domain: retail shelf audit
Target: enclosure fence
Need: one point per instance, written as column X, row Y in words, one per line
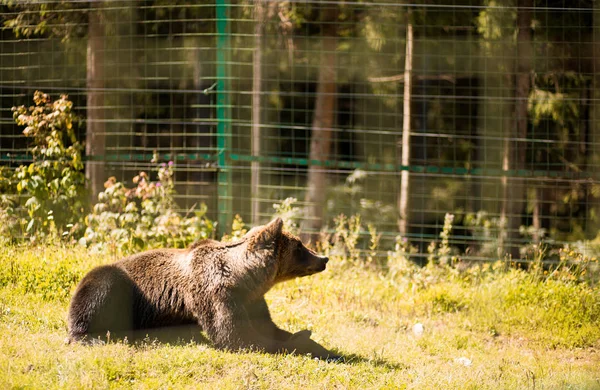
column 399, row 112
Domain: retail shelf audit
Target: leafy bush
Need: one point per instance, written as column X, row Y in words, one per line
column 11, row 227
column 398, row 261
column 289, row 213
column 127, row 220
column 346, row 238
column 53, row 184
column 238, row 229
column 572, row 266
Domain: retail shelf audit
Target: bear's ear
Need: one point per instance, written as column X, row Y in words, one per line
column 265, row 237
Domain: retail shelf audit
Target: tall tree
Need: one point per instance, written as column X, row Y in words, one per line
column 513, row 159
column 259, row 33
column 496, row 85
column 404, row 194
column 95, row 138
column 593, row 219
column 323, row 119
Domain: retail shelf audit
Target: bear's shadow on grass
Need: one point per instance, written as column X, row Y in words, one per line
column 377, row 362
column 184, row 335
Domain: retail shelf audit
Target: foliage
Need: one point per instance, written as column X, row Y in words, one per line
column 374, row 239
column 399, row 265
column 376, row 34
column 346, row 238
column 51, row 190
column 442, row 253
column 53, row 184
column 289, row 213
column 590, row 248
column 10, row 228
column 572, row 266
column 127, row 220
column 349, row 242
column 560, row 107
column 488, row 230
column 238, row 229
column 491, row 24
column 63, row 19
column 351, row 196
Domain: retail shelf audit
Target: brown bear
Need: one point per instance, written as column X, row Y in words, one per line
column 218, row 286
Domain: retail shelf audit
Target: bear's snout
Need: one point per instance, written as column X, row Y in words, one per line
column 319, row 264
column 307, row 262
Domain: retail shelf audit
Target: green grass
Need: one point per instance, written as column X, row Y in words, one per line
column 517, row 330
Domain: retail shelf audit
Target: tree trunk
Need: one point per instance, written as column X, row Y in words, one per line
column 322, row 124
column 95, row 130
column 538, row 211
column 593, row 212
column 514, row 147
column 259, row 31
column 403, row 196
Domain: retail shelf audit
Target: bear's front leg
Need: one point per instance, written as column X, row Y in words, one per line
column 299, row 342
column 230, row 328
column 260, row 318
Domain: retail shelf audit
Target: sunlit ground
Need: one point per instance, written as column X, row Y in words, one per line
column 498, row 329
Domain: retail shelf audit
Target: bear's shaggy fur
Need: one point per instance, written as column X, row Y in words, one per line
column 219, row 286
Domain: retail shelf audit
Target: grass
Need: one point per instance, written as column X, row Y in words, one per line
column 516, row 330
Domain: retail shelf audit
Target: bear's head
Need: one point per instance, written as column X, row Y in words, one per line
column 293, row 259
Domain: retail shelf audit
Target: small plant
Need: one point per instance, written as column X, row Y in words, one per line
column 444, row 249
column 289, row 213
column 53, row 184
column 12, row 225
column 535, row 246
column 374, row 239
column 443, row 253
column 488, row 230
column 131, row 219
column 323, row 244
column 574, row 266
column 398, row 260
column 238, row 229
column 345, row 239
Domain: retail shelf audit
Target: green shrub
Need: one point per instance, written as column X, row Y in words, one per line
column 238, row 229
column 346, row 238
column 289, row 213
column 51, row 188
column 12, row 225
column 127, row 220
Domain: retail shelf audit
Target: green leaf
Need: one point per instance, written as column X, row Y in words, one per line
column 31, row 202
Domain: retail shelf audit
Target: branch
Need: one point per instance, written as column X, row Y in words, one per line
column 400, row 78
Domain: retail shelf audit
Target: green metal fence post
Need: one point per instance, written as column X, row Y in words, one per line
column 223, row 115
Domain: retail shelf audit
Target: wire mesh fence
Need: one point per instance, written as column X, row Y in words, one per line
column 400, row 112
